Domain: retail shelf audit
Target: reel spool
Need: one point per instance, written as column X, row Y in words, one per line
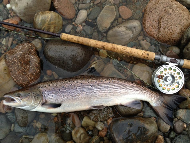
column 168, row 79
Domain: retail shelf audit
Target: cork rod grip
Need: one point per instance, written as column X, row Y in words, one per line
column 186, row 64
column 109, row 46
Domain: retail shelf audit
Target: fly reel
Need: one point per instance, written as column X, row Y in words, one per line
column 168, row 79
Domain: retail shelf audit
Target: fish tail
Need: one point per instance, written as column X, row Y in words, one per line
column 166, row 107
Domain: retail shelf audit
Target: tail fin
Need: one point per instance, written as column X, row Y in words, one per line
column 169, row 103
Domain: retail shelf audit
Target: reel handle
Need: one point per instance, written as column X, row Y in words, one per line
column 186, row 64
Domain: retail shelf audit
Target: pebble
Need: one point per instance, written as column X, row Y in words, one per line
column 65, row 8
column 184, row 115
column 40, row 138
column 174, row 49
column 11, row 116
column 26, row 9
column 84, row 6
column 12, row 137
column 101, row 114
column 48, row 21
column 178, row 126
column 94, row 139
column 172, row 54
column 144, row 72
column 81, row 17
column 125, row 12
column 75, row 119
column 160, row 139
column 181, row 139
column 103, row 132
column 23, row 117
column 6, row 80
column 80, row 135
column 38, row 44
column 185, row 38
column 135, row 129
column 124, row 33
column 172, row 18
column 163, row 127
column 19, row 129
column 68, row 28
column 94, row 13
column 145, row 45
column 103, row 53
column 106, row 17
column 99, row 126
column 5, row 126
column 49, row 72
column 55, row 139
column 87, row 122
column 68, row 56
column 28, row 71
column 186, row 51
column 110, row 71
column 185, row 93
column 88, row 30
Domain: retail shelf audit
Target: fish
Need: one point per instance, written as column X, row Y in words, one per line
column 88, row 92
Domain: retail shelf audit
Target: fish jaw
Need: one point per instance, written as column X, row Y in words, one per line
column 12, row 101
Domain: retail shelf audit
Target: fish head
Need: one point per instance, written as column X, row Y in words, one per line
column 24, row 99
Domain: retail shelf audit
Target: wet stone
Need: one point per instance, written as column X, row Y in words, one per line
column 19, row 129
column 68, row 56
column 178, row 126
column 11, row 138
column 185, row 93
column 94, row 13
column 88, row 29
column 181, row 139
column 80, row 135
column 40, row 138
column 136, row 129
column 184, row 115
column 5, row 126
column 186, row 52
column 81, row 17
column 163, row 127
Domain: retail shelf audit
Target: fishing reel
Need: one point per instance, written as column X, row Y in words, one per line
column 169, row 79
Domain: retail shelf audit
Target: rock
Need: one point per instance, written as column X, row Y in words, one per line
column 5, row 126
column 125, row 12
column 11, row 138
column 144, row 72
column 181, row 139
column 124, row 33
column 172, row 18
column 84, row 6
column 23, row 117
column 136, row 129
column 55, row 139
column 68, row 56
column 174, row 49
column 81, row 17
column 179, row 126
column 103, row 132
column 26, row 9
column 94, row 13
column 160, row 139
column 87, row 122
column 184, row 115
column 185, row 38
column 40, row 138
column 186, row 52
column 172, row 54
column 94, row 139
column 101, row 115
column 88, row 30
column 11, row 117
column 110, row 71
column 163, row 127
column 65, row 8
column 19, row 129
column 186, row 3
column 38, row 44
column 15, row 20
column 24, row 64
column 75, row 119
column 145, row 45
column 99, row 125
column 80, row 136
column 103, row 53
column 6, row 81
column 48, row 21
column 68, row 28
column 186, row 103
column 106, row 17
column 126, row 111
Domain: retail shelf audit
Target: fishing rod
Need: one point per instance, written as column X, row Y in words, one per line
column 168, row 79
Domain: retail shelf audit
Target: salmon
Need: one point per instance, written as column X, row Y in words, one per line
column 87, row 92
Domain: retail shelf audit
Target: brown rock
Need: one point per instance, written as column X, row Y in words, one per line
column 166, row 20
column 125, row 12
column 160, row 139
column 65, row 8
column 14, row 20
column 24, row 64
column 48, row 21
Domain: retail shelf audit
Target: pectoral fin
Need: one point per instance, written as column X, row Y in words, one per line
column 51, row 105
column 133, row 104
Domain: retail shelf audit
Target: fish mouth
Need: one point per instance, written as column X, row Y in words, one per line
column 11, row 101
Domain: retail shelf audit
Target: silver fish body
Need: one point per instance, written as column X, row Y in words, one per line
column 83, row 93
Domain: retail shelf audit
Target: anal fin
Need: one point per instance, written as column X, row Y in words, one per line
column 133, row 104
